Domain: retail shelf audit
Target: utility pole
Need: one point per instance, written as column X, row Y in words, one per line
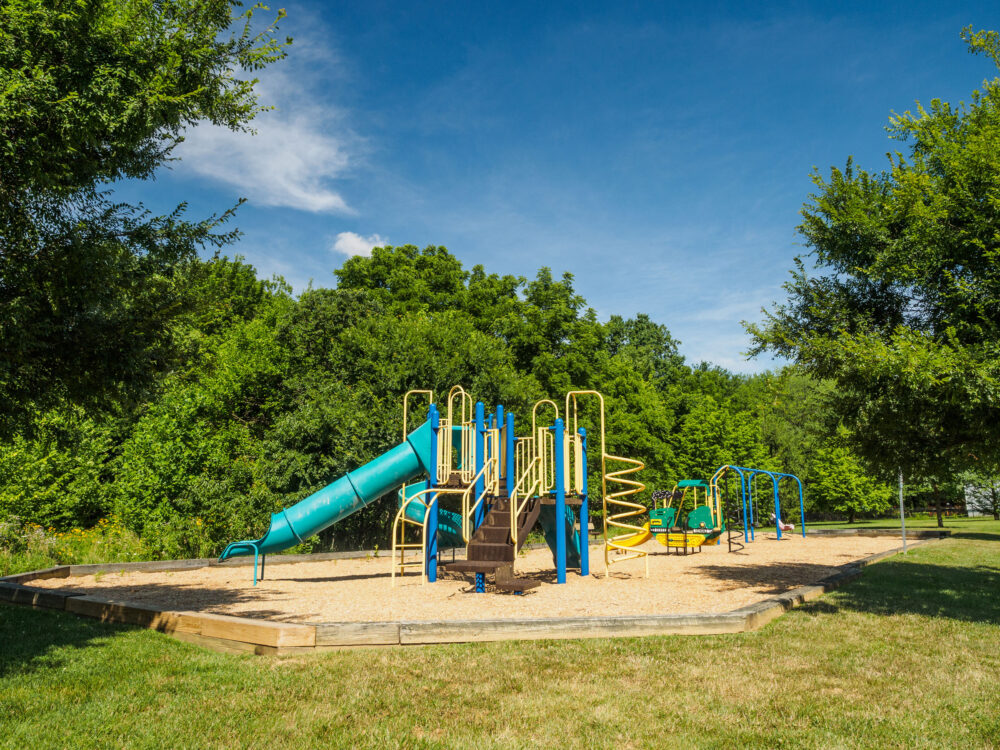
column 902, row 516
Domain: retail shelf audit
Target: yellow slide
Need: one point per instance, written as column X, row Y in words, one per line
column 636, row 539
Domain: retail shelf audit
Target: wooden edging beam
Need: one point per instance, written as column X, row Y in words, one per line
column 247, row 635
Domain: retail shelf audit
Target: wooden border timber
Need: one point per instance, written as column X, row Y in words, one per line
column 248, row 635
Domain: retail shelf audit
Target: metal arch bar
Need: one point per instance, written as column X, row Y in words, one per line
column 776, row 477
column 406, row 415
column 534, row 413
column 466, row 401
column 802, row 507
column 713, row 485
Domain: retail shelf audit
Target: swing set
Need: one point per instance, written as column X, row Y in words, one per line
column 749, row 497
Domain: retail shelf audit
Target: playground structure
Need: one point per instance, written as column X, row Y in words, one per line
column 706, row 521
column 498, row 485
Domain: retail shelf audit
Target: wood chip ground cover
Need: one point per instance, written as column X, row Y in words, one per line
column 360, row 590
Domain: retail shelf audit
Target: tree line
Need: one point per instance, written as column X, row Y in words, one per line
column 272, row 395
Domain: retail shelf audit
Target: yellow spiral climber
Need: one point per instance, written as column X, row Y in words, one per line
column 617, row 510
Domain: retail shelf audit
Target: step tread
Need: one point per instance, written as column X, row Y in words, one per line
column 518, row 584
column 473, row 566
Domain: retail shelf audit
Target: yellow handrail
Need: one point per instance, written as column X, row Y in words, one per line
column 515, row 508
column 465, row 420
column 406, row 414
column 490, row 475
column 399, row 525
column 401, row 521
column 715, row 497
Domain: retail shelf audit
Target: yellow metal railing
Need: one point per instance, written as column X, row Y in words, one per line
column 528, row 486
column 490, row 474
column 462, row 417
column 399, row 543
column 406, row 414
column 399, row 525
column 573, row 462
column 714, row 498
column 616, row 508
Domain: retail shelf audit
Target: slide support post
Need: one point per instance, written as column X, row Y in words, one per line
column 509, row 451
column 431, row 520
column 480, row 484
column 584, row 512
column 501, row 445
column 560, row 438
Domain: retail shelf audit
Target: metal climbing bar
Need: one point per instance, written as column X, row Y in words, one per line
column 617, row 510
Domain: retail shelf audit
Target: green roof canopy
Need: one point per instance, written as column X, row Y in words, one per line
column 693, row 483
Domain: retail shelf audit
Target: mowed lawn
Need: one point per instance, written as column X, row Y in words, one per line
column 907, row 656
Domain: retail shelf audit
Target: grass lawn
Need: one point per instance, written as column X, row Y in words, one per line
column 907, row 656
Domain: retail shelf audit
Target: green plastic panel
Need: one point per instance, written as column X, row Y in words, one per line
column 693, row 483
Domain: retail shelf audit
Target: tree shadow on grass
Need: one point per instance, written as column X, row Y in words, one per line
column 979, row 536
column 891, row 587
column 34, row 639
column 896, row 587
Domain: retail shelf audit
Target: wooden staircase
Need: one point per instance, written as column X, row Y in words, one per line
column 491, row 549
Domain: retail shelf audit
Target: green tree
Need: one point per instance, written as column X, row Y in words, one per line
column 797, row 421
column 90, row 93
column 841, row 485
column 903, row 312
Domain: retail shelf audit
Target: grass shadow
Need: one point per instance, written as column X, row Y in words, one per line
column 895, row 587
column 979, row 536
column 37, row 639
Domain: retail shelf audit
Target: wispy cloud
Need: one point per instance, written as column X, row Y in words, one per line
column 300, row 148
column 350, row 243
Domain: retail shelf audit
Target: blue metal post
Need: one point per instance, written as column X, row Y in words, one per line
column 509, row 450
column 743, row 491
column 777, row 505
column 584, row 512
column 480, row 484
column 560, row 438
column 802, row 506
column 501, row 463
column 431, row 520
column 753, row 520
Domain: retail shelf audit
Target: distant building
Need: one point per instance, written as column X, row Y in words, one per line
column 982, row 500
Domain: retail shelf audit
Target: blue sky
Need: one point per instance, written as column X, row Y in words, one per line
column 660, row 153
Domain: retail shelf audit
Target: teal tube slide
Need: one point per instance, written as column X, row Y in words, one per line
column 449, row 524
column 547, row 518
column 349, row 494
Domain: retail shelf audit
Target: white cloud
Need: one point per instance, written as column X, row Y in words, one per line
column 299, row 149
column 350, row 243
column 288, row 162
